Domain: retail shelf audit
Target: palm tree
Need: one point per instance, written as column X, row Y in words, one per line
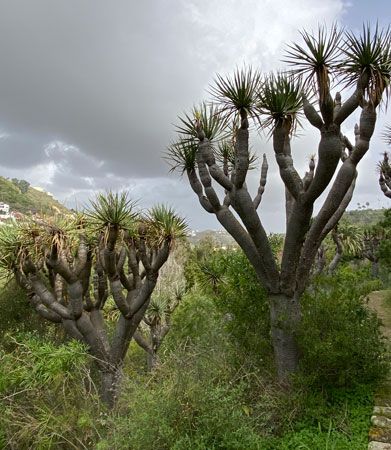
column 71, row 266
column 280, row 103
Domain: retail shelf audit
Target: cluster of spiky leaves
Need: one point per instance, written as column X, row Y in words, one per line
column 384, row 166
column 281, row 100
column 317, row 59
column 111, row 208
column 238, row 93
column 338, row 53
column 351, row 238
column 164, row 224
column 225, row 155
column 158, row 308
column 34, row 239
column 10, row 246
column 368, row 55
column 205, row 120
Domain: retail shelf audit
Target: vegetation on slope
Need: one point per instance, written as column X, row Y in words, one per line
column 32, row 201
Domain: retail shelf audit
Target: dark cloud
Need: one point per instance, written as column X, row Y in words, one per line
column 89, row 89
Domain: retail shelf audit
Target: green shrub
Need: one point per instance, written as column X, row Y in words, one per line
column 228, row 278
column 16, row 313
column 47, row 397
column 193, row 402
column 340, row 338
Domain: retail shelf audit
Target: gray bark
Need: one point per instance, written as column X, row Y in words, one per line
column 285, row 320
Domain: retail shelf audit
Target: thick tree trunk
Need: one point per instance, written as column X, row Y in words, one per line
column 285, row 319
column 110, row 383
column 375, row 268
column 152, row 360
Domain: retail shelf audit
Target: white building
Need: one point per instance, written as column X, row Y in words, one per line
column 4, row 211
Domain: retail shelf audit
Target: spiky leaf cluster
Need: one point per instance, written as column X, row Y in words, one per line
column 202, row 122
column 317, row 59
column 281, row 100
column 238, row 93
column 164, row 224
column 112, row 209
column 368, row 56
column 225, row 155
column 35, row 239
column 158, row 308
column 10, row 246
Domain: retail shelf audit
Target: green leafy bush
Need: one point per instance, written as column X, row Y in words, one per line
column 340, row 337
column 228, row 277
column 16, row 313
column 47, row 396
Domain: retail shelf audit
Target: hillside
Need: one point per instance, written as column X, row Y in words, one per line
column 364, row 216
column 361, row 217
column 32, row 201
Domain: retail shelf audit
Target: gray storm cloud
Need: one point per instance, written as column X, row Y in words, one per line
column 90, row 89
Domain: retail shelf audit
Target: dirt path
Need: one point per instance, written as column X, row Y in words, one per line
column 380, row 432
column 377, row 302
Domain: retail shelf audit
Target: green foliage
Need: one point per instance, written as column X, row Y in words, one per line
column 243, row 302
column 385, row 245
column 164, row 223
column 319, row 56
column 111, row 209
column 340, row 337
column 47, row 396
column 368, row 55
column 228, row 277
column 281, row 99
column 43, row 362
column 16, row 314
column 199, row 400
column 205, row 118
column 30, row 201
column 196, row 403
column 23, row 185
column 238, row 93
column 197, row 319
column 364, row 216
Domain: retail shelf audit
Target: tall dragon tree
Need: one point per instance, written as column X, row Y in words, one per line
column 72, row 268
column 213, row 149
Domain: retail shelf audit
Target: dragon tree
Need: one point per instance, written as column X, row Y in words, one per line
column 213, row 149
column 168, row 294
column 384, row 167
column 73, row 268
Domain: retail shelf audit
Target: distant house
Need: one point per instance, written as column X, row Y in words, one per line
column 4, row 211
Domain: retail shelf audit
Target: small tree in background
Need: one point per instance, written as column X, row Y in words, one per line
column 70, row 268
column 22, row 185
column 385, row 167
column 213, row 150
column 345, row 240
column 169, row 291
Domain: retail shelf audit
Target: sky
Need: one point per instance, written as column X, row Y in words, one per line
column 90, row 91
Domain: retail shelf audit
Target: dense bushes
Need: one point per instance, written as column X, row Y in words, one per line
column 16, row 313
column 214, row 389
column 47, row 396
column 228, row 277
column 340, row 337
